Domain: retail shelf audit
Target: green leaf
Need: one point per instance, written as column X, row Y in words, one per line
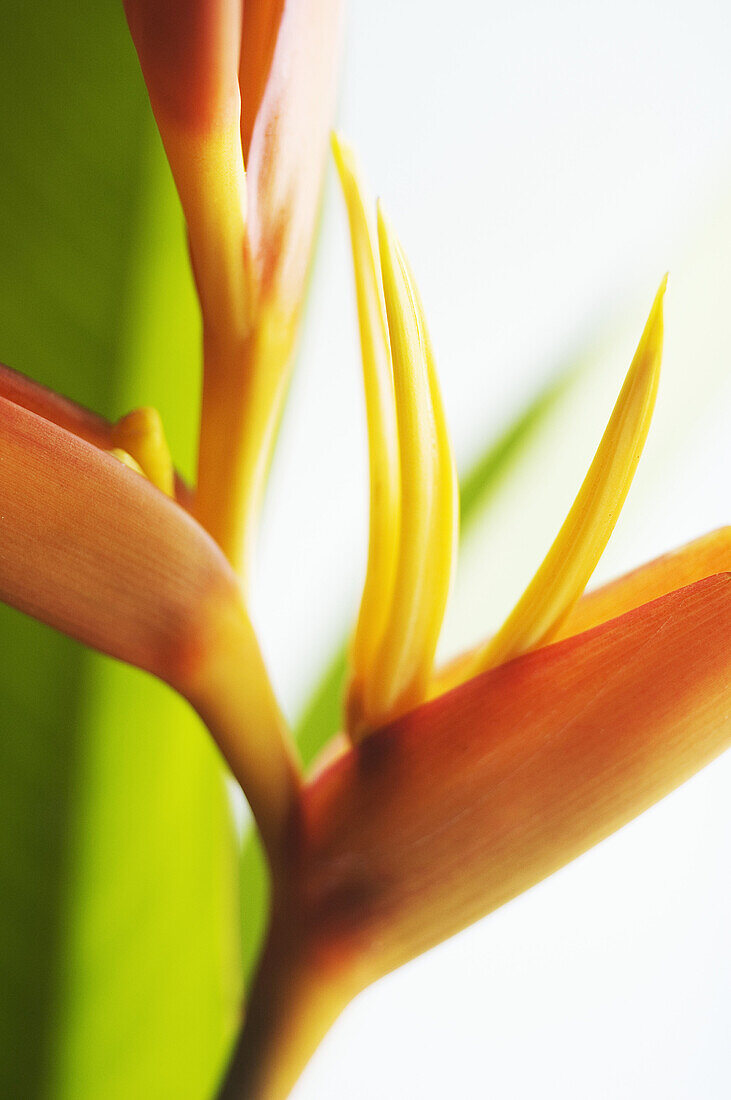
column 119, row 952
column 321, row 717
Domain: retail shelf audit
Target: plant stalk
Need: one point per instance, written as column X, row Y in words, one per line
column 298, row 993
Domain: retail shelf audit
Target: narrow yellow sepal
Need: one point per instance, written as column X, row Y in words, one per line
column 141, row 435
column 566, row 569
column 402, row 664
column 445, row 538
column 382, row 431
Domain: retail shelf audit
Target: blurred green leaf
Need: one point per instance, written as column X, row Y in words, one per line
column 119, row 952
column 321, row 717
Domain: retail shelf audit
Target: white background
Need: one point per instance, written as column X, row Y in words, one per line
column 544, row 165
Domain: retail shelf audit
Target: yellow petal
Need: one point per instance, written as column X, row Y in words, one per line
column 141, row 434
column 446, row 533
column 382, row 433
column 403, row 662
column 566, row 569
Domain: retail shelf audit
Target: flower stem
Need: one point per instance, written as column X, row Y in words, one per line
column 297, row 995
column 226, row 681
column 244, row 385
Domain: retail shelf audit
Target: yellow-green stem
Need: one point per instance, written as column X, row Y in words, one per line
column 298, row 993
column 229, row 686
column 244, row 384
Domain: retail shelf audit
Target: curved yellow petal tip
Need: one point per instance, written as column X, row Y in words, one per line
column 653, row 330
column 342, row 151
column 386, row 236
column 571, row 560
column 126, row 459
column 141, row 435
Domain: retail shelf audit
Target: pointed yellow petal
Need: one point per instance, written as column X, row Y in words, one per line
column 446, row 533
column 566, row 569
column 382, row 434
column 141, row 434
column 423, row 570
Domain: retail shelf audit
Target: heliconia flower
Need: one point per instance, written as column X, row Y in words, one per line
column 95, row 547
column 453, row 789
column 243, row 95
column 461, row 788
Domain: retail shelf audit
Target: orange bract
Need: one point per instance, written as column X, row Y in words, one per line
column 474, row 797
column 574, row 718
column 95, row 550
column 189, row 55
column 92, row 548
